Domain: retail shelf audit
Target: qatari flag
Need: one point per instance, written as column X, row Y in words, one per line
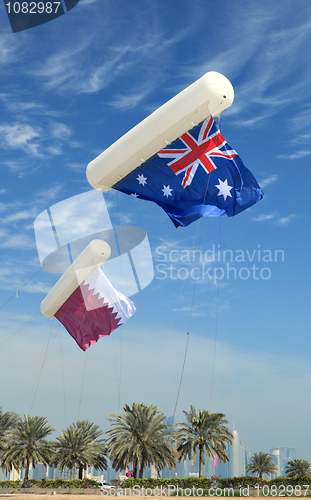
column 94, row 310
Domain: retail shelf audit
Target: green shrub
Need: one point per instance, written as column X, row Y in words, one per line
column 189, row 482
column 10, row 484
column 204, row 483
column 52, row 483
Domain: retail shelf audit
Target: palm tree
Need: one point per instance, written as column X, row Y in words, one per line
column 25, row 445
column 78, row 446
column 139, row 437
column 7, row 421
column 297, row 468
column 261, row 463
column 203, row 432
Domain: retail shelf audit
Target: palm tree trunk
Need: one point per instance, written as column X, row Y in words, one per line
column 26, row 478
column 72, row 472
column 81, row 472
column 135, row 469
column 141, row 469
column 201, row 460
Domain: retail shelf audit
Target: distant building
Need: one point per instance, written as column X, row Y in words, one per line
column 281, row 456
column 38, row 472
column 239, row 458
column 236, row 453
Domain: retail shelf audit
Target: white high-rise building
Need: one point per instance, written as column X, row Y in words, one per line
column 281, row 456
column 236, row 453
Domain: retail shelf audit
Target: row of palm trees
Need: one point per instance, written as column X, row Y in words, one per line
column 23, row 444
column 262, row 463
column 137, row 439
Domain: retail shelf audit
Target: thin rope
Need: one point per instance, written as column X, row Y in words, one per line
column 39, row 370
column 20, row 288
column 181, row 377
column 216, row 328
column 121, row 328
column 199, row 227
column 116, row 368
column 175, row 311
column 21, row 328
column 13, row 246
column 82, row 384
column 189, row 327
column 120, row 379
column 63, row 376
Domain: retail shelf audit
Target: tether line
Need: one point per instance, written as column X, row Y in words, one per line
column 216, row 329
column 181, row 377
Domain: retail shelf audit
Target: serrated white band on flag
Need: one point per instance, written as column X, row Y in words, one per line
column 96, row 253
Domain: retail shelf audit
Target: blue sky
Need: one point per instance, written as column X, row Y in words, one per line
column 69, row 89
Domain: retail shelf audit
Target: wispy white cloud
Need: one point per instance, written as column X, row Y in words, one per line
column 13, row 240
column 9, row 48
column 54, row 150
column 8, row 206
column 34, row 141
column 276, row 218
column 301, row 139
column 142, row 60
column 302, row 119
column 131, row 100
column 267, row 85
column 20, row 216
column 72, row 69
column 295, row 156
column 20, row 136
column 268, row 180
column 251, row 122
column 48, row 194
column 14, row 279
column 87, row 2
column 60, row 131
column 283, row 221
column 264, row 217
column 77, row 167
column 22, row 108
column 20, row 167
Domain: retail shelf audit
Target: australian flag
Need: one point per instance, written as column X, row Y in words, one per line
column 198, row 175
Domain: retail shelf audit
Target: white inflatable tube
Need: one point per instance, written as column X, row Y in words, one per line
column 94, row 255
column 210, row 95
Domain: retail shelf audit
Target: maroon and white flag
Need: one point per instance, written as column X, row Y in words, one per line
column 94, row 310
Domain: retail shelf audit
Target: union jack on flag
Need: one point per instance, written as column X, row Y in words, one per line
column 217, row 181
column 197, row 152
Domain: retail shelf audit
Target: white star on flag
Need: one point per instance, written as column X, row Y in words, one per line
column 224, row 189
column 135, row 195
column 167, row 191
column 141, row 179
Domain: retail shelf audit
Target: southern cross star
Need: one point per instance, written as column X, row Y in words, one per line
column 224, row 189
column 167, row 191
column 141, row 179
